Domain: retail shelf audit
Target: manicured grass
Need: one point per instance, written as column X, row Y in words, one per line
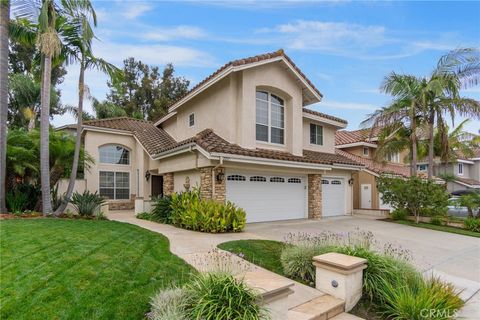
column 78, row 269
column 438, row 228
column 263, row 253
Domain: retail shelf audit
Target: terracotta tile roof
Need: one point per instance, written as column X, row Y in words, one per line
column 379, row 168
column 213, row 143
column 153, row 139
column 323, row 115
column 470, row 182
column 245, row 61
column 347, row 137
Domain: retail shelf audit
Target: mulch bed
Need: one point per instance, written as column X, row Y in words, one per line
column 6, row 216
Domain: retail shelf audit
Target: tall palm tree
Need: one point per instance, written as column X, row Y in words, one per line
column 4, row 24
column 460, row 142
column 79, row 44
column 458, row 68
column 405, row 109
column 49, row 45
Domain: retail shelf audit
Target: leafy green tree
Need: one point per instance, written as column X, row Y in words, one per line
column 470, row 201
column 143, row 92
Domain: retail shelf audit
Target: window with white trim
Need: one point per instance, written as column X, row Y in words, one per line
column 325, row 181
column 191, row 120
column 236, row 177
column 115, row 185
column 422, row 167
column 460, row 169
column 277, row 179
column 258, row 179
column 294, row 180
column 336, row 182
column 316, row 134
column 270, row 118
column 366, row 151
column 394, row 157
column 114, row 154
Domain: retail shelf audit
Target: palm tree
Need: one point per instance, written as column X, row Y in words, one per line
column 4, row 25
column 49, row 45
column 460, row 142
column 405, row 109
column 79, row 43
column 458, row 68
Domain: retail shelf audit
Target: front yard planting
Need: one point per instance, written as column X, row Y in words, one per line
column 393, row 288
column 82, row 269
column 443, row 228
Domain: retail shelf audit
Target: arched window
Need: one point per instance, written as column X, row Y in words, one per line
column 270, row 118
column 277, row 179
column 258, row 179
column 114, row 154
column 236, row 177
column 325, row 181
column 294, row 180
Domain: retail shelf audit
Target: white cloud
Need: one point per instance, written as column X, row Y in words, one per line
column 179, row 32
column 154, row 54
column 135, row 10
column 347, row 105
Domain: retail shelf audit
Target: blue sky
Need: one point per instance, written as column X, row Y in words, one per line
column 344, row 47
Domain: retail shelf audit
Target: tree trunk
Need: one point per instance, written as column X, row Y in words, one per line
column 4, row 22
column 431, row 143
column 413, row 140
column 76, row 156
column 31, row 121
column 45, row 138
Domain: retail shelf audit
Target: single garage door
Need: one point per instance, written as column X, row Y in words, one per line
column 267, row 197
column 333, row 197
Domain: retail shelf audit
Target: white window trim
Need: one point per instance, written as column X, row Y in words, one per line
column 115, row 164
column 422, row 170
column 460, row 172
column 269, row 125
column 115, row 183
column 368, row 151
column 188, row 120
column 310, row 139
column 394, row 157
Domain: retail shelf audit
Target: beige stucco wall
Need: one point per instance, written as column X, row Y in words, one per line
column 360, row 178
column 328, row 137
column 179, row 180
column 181, row 162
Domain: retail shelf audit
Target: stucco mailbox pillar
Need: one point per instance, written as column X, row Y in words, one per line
column 341, row 276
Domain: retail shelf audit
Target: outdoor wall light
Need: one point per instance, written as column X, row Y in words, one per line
column 147, row 175
column 350, row 182
column 220, row 176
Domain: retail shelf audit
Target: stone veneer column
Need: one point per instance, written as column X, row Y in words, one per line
column 168, row 184
column 314, row 196
column 207, row 184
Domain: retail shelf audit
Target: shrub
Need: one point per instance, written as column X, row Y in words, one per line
column 218, row 296
column 32, row 193
column 399, row 214
column 418, row 196
column 297, row 262
column 410, row 298
column 191, row 212
column 436, row 221
column 472, row 224
column 169, row 304
column 87, row 203
column 144, row 216
column 471, row 201
column 162, row 209
column 16, row 201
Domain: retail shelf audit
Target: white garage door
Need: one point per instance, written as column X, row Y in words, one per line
column 333, row 197
column 267, row 197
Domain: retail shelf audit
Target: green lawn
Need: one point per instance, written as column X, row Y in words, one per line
column 78, row 269
column 263, row 253
column 438, row 228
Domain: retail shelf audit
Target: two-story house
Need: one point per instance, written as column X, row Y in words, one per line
column 360, row 146
column 243, row 134
column 465, row 170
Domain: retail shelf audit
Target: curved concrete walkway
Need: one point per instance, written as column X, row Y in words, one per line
column 453, row 257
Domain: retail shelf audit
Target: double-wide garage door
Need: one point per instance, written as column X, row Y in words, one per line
column 268, row 197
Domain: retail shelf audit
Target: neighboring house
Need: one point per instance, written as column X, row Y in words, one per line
column 360, row 146
column 466, row 172
column 243, row 134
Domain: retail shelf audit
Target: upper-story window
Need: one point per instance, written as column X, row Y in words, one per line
column 114, row 154
column 316, row 134
column 270, row 118
column 422, row 167
column 394, row 157
column 366, row 151
column 191, row 120
column 460, row 169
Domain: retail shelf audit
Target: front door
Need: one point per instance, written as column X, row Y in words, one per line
column 157, row 186
column 366, row 196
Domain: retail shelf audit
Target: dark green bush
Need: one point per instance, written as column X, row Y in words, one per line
column 399, row 214
column 145, row 216
column 472, row 224
column 219, row 296
column 418, row 196
column 436, row 221
column 189, row 211
column 162, row 209
column 16, row 201
column 32, row 192
column 87, row 204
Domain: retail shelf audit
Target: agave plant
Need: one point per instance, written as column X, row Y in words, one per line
column 87, row 203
